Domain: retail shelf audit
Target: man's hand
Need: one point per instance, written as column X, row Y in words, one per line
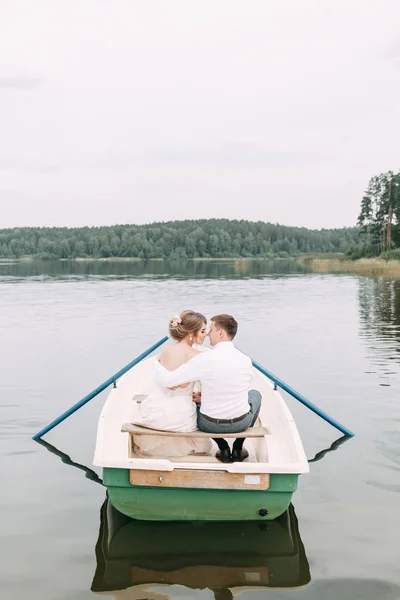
column 182, row 385
column 196, row 397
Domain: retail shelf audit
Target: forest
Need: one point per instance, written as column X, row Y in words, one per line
column 379, row 218
column 203, row 238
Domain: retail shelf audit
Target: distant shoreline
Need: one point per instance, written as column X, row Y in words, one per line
column 136, row 259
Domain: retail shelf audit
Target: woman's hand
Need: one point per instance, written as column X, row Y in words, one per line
column 196, row 397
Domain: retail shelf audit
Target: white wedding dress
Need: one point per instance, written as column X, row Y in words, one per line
column 169, row 410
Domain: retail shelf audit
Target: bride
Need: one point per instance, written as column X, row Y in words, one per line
column 174, row 409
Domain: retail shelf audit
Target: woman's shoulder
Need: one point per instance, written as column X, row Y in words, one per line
column 168, row 350
column 178, row 354
column 175, row 355
column 169, row 353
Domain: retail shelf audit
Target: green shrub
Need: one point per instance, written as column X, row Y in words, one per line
column 391, row 254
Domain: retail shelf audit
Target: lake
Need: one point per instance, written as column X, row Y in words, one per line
column 66, row 327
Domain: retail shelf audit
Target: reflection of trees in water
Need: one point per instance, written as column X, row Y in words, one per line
column 379, row 301
column 127, row 269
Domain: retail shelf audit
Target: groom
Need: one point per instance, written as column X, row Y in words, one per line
column 227, row 403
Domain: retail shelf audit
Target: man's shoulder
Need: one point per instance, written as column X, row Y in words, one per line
column 242, row 356
column 232, row 352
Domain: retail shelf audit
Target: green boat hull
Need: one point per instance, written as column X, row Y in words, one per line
column 189, row 504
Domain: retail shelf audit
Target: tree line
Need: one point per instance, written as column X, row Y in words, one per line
column 203, row 238
column 379, row 218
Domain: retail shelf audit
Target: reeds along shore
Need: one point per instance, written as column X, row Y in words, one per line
column 364, row 266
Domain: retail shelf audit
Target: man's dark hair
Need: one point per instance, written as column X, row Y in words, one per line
column 227, row 323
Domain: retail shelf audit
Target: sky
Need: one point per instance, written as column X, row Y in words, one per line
column 136, row 111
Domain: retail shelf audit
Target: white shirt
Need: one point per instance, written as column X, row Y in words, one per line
column 225, row 375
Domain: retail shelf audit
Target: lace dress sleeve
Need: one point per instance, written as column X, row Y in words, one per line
column 196, row 386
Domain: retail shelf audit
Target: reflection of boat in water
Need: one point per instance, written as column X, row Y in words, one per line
column 143, row 555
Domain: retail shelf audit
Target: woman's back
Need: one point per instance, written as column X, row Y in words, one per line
column 175, row 355
column 174, row 409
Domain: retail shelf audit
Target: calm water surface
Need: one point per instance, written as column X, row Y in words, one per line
column 66, row 327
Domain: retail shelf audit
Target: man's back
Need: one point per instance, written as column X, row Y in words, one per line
column 225, row 381
column 225, row 374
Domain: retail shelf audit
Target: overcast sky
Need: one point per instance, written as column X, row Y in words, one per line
column 134, row 111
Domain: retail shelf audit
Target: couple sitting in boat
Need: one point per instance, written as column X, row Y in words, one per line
column 199, row 389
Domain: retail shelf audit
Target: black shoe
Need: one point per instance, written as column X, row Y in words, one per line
column 239, row 455
column 224, row 455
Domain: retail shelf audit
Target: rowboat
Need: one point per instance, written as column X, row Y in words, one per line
column 140, row 559
column 198, row 488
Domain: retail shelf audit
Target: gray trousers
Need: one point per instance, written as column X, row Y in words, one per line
column 247, row 421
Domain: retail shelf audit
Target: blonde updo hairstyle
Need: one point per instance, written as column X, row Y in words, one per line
column 191, row 322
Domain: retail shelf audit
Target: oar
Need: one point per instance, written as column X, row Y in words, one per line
column 302, row 399
column 100, row 388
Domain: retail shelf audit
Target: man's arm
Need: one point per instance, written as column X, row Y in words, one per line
column 190, row 371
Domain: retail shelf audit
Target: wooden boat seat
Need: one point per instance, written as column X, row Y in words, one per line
column 251, row 432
